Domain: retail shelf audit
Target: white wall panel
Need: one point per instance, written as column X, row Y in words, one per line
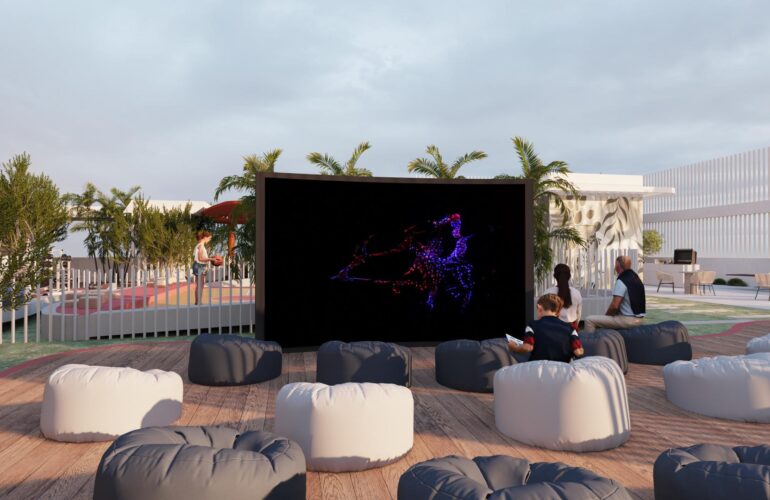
column 726, row 181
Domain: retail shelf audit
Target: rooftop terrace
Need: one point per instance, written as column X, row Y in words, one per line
column 446, row 422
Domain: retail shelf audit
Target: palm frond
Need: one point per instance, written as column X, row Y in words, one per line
column 558, row 202
column 567, row 234
column 557, row 186
column 246, row 208
column 360, row 149
column 361, row 172
column 123, row 197
column 441, row 166
column 465, row 159
column 229, row 183
column 424, row 166
column 252, row 164
column 557, row 167
column 270, row 158
column 326, row 163
column 527, row 156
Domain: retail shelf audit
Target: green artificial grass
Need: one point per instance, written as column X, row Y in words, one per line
column 663, row 309
column 19, row 352
column 13, row 354
column 658, row 309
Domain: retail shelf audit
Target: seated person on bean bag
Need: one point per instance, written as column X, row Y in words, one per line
column 548, row 337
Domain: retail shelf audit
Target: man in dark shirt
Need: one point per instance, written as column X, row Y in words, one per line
column 628, row 306
column 549, row 338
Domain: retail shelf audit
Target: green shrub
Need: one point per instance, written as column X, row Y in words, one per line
column 652, row 242
column 33, row 216
column 720, row 281
column 735, row 282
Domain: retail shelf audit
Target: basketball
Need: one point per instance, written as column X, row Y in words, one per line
column 217, row 261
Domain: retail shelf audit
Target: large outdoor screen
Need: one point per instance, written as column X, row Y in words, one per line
column 396, row 260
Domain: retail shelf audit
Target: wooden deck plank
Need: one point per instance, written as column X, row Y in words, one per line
column 446, row 422
column 40, row 475
column 15, row 421
column 30, row 444
column 22, row 388
column 79, row 475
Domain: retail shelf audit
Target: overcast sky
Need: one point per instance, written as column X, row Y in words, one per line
column 170, row 95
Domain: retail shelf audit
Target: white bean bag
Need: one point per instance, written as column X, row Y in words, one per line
column 99, row 403
column 346, row 427
column 578, row 406
column 731, row 387
column 759, row 344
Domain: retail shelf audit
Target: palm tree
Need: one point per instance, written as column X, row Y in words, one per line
column 549, row 184
column 246, row 182
column 330, row 166
column 81, row 207
column 116, row 228
column 108, row 228
column 440, row 170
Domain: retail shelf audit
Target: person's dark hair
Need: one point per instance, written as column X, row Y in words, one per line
column 202, row 234
column 562, row 275
column 550, row 302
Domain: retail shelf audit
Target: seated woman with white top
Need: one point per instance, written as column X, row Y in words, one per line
column 570, row 296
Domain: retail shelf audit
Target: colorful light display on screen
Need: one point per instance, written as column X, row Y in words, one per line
column 438, row 265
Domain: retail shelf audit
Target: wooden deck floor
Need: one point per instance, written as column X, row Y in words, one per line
column 446, row 422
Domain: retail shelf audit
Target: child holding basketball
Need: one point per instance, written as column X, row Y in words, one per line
column 201, row 260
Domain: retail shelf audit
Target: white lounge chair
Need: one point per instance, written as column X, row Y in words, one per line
column 707, row 281
column 664, row 279
column 763, row 283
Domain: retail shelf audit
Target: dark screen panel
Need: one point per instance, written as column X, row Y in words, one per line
column 391, row 260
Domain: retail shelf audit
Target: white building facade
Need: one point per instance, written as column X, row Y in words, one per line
column 721, row 209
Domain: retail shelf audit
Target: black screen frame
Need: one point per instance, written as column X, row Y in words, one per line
column 262, row 179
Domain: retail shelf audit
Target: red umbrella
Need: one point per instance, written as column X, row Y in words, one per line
column 223, row 213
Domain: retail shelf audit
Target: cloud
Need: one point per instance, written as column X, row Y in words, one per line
column 170, row 95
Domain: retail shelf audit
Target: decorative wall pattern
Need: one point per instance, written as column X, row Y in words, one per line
column 606, row 223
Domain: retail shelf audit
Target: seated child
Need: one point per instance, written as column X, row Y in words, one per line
column 548, row 337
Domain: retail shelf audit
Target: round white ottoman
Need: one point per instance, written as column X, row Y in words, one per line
column 578, row 406
column 99, row 403
column 346, row 427
column 759, row 344
column 731, row 387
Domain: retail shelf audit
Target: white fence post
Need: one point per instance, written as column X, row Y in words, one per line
column 240, row 298
column 144, row 304
column 38, row 297
column 133, row 273
column 51, row 307
column 62, row 312
column 165, row 306
column 178, row 284
column 88, row 303
column 99, row 305
column 155, row 302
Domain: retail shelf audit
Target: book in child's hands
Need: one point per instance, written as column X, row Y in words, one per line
column 513, row 339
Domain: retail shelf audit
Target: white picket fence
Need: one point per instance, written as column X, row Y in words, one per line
column 143, row 302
